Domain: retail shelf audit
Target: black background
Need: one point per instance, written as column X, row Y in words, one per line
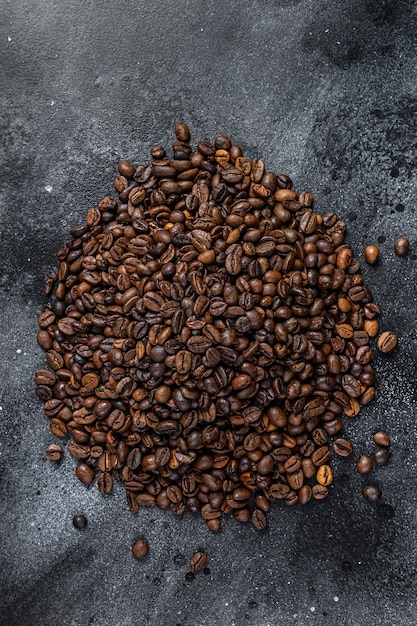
column 323, row 91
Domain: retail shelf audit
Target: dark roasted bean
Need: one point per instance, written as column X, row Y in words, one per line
column 372, row 493
column 79, row 522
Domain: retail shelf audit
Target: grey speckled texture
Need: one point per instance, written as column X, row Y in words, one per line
column 324, row 91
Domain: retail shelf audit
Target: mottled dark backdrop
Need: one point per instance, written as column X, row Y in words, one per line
column 324, row 91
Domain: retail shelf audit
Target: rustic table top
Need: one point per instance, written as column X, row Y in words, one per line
column 325, row 92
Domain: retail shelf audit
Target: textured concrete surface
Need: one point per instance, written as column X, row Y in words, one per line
column 324, row 91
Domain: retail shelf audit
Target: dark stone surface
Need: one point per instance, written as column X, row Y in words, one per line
column 326, row 92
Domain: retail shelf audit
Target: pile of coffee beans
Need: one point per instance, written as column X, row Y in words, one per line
column 206, row 334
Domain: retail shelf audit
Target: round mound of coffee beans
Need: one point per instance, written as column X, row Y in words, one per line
column 206, row 333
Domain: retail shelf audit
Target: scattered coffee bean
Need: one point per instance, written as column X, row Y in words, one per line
column 182, row 132
column 79, row 522
column 381, row 438
column 54, row 451
column 372, row 492
column 198, row 561
column 140, row 548
column 371, row 254
column 387, row 341
column 364, row 464
column 381, row 456
column 401, row 246
column 206, row 333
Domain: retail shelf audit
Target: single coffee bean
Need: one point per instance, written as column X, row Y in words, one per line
column 342, row 447
column 401, row 246
column 387, row 341
column 364, row 464
column 371, row 254
column 105, row 482
column 381, row 456
column 324, row 475
column 198, row 561
column 381, row 438
column 259, row 520
column 54, row 452
column 140, row 548
column 79, row 522
column 126, row 169
column 84, row 473
column 372, row 492
column 319, row 492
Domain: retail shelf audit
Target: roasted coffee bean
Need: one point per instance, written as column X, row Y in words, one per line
column 259, row 520
column 105, row 482
column 319, row 492
column 54, row 452
column 198, row 561
column 387, row 341
column 206, row 335
column 84, row 473
column 364, row 464
column 79, row 522
column 321, row 456
column 372, row 492
column 381, row 438
column 401, row 246
column 140, row 548
column 371, row 254
column 342, row 447
column 381, row 456
column 324, row 475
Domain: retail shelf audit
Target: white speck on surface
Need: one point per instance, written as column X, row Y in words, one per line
column 336, row 599
column 312, row 609
column 52, row 103
column 18, row 351
column 48, row 188
column 28, row 258
column 1, row 408
column 9, row 39
column 327, row 30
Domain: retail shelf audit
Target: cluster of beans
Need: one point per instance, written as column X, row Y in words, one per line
column 206, row 333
